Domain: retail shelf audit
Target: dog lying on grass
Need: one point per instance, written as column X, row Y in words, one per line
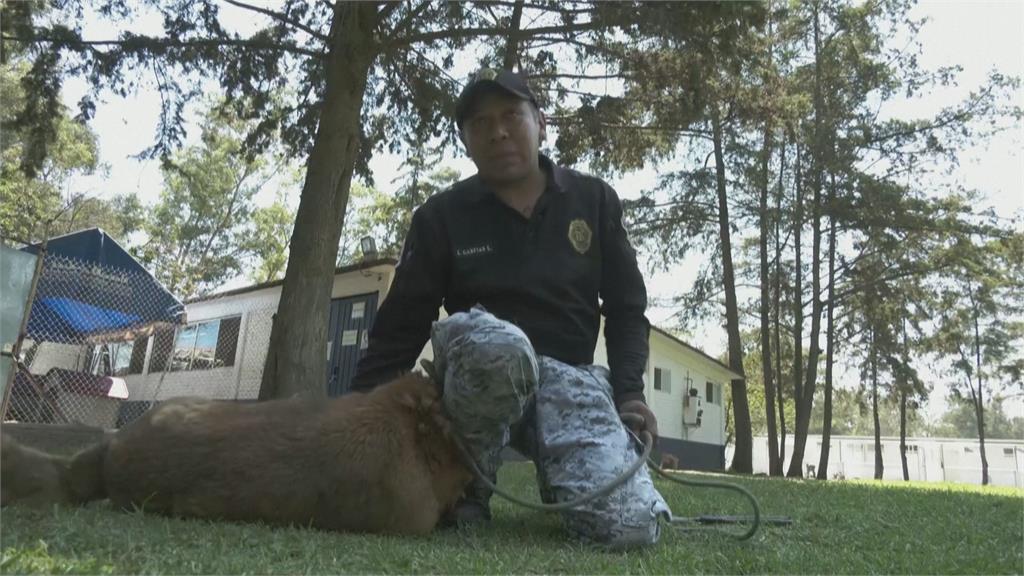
column 383, row 461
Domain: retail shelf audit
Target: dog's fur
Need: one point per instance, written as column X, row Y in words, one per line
column 383, row 461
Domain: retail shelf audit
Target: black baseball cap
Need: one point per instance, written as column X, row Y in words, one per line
column 486, row 78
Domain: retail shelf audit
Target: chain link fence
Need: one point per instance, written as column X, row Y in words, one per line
column 100, row 350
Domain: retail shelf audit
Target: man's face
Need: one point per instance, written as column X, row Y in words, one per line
column 502, row 135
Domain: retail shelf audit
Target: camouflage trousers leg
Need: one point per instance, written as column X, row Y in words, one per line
column 561, row 416
column 490, row 375
column 581, row 446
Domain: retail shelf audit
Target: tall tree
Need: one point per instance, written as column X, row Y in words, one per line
column 908, row 387
column 742, row 456
column 682, row 88
column 830, row 340
column 846, row 71
column 196, row 230
column 979, row 326
column 820, row 144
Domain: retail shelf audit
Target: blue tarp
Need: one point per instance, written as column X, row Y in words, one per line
column 92, row 287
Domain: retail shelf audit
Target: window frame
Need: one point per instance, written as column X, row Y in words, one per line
column 663, row 379
column 222, row 349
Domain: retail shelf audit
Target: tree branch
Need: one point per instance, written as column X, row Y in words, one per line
column 140, row 42
column 503, row 32
column 404, row 23
column 280, row 17
column 543, row 7
column 558, row 75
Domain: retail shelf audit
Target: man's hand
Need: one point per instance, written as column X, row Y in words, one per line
column 639, row 418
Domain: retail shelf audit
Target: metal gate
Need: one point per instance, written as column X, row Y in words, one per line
column 347, row 338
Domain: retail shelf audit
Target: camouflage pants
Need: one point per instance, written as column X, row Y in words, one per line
column 498, row 391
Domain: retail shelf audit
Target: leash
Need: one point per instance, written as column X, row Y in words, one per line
column 689, row 524
column 561, row 506
column 646, row 445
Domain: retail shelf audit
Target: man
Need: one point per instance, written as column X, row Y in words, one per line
column 525, row 256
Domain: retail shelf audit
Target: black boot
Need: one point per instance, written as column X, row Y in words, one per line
column 472, row 510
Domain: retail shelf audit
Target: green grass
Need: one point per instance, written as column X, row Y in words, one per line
column 839, row 527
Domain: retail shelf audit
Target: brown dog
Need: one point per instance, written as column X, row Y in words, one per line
column 383, row 461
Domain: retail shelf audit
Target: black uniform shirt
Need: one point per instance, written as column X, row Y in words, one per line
column 545, row 274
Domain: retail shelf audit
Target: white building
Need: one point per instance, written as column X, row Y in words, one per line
column 928, row 459
column 221, row 351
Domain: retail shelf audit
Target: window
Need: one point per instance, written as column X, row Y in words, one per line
column 162, row 343
column 1007, row 451
column 184, row 348
column 199, row 346
column 122, row 357
column 138, row 356
column 710, row 396
column 118, row 358
column 663, row 379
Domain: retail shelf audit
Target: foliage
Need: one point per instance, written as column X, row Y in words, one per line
column 981, row 303
column 266, row 241
column 979, row 330
column 960, row 421
column 196, row 231
column 752, row 369
column 386, row 217
column 43, row 204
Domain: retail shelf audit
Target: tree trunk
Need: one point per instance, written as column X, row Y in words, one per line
column 826, row 427
column 512, row 43
column 296, row 358
column 779, row 388
column 903, row 435
column 979, row 398
column 979, row 412
column 903, row 385
column 774, row 466
column 874, row 408
column 805, row 400
column 796, row 460
column 742, row 459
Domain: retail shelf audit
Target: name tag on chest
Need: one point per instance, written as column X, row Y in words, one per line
column 472, row 251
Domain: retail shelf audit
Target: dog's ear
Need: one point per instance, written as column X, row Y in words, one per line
column 434, row 375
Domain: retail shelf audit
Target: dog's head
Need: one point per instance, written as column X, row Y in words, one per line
column 421, row 396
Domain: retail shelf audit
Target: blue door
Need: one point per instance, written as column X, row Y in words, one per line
column 347, row 338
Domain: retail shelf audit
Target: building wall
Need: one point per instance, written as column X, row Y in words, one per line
column 256, row 309
column 928, row 459
column 53, row 355
column 685, row 370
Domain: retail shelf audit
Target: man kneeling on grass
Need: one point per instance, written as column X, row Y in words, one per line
column 525, row 256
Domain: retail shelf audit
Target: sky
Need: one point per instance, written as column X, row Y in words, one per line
column 979, row 36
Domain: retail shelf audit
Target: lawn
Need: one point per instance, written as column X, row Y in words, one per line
column 839, row 527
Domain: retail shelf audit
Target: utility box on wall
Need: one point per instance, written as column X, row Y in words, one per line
column 693, row 408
